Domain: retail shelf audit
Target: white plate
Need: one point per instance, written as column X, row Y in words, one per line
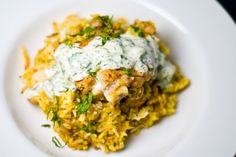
column 202, row 40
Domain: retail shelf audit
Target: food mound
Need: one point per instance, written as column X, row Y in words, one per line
column 99, row 80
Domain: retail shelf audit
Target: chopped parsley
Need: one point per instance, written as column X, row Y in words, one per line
column 84, row 105
column 127, row 71
column 138, row 31
column 160, row 67
column 54, row 111
column 104, row 39
column 89, row 127
column 57, row 143
column 46, row 125
column 55, row 117
column 107, row 31
column 92, row 73
column 106, row 21
column 87, row 30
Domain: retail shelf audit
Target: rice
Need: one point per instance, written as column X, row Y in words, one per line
column 105, row 125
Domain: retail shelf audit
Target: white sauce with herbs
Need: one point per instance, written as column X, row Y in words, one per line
column 74, row 63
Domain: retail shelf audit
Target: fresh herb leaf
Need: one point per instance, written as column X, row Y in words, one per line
column 46, row 125
column 83, row 106
column 54, row 111
column 87, row 30
column 108, row 32
column 57, row 100
column 138, row 31
column 117, row 34
column 106, row 20
column 67, row 89
column 54, row 116
column 48, row 113
column 89, row 127
column 160, row 67
column 104, row 39
column 57, row 142
column 92, row 73
column 127, row 71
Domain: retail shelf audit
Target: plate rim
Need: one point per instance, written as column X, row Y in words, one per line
column 179, row 149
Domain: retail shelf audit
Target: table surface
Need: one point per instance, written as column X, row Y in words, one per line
column 230, row 6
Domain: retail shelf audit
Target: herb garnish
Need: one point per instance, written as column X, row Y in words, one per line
column 92, row 73
column 104, row 39
column 46, row 125
column 138, row 30
column 54, row 111
column 89, row 127
column 83, row 106
column 106, row 21
column 127, row 71
column 87, row 30
column 55, row 117
column 160, row 67
column 57, row 142
column 107, row 31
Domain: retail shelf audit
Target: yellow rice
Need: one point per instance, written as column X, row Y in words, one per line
column 146, row 104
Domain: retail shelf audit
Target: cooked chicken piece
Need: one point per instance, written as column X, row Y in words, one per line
column 138, row 82
column 137, row 99
column 116, row 93
column 107, row 77
column 85, row 85
column 115, row 84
